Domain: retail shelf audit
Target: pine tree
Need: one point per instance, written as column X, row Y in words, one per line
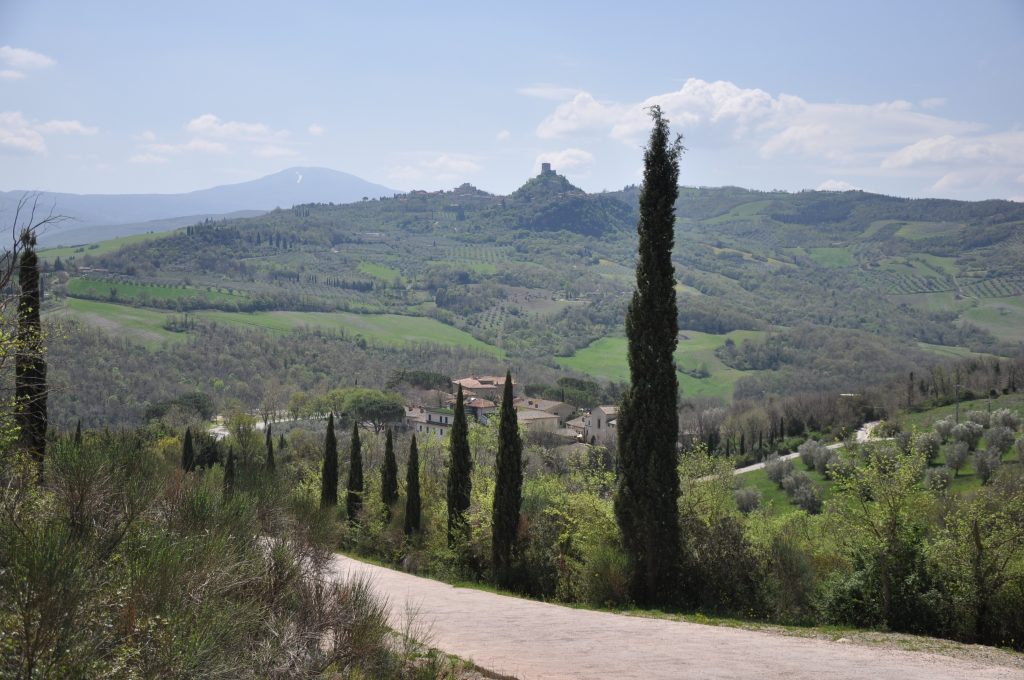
column 229, row 475
column 329, row 473
column 412, row 490
column 271, row 463
column 648, row 485
column 30, row 362
column 354, row 499
column 460, row 468
column 188, row 454
column 508, row 489
column 389, row 475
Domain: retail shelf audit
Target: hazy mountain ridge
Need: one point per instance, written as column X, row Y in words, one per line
column 284, row 189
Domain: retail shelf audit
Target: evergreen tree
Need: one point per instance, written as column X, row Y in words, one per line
column 188, row 454
column 281, row 442
column 648, row 485
column 329, row 473
column 460, row 467
column 30, row 362
column 78, row 433
column 271, row 463
column 354, row 500
column 389, row 475
column 508, row 489
column 229, row 474
column 412, row 490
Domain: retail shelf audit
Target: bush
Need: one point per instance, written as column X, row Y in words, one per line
column 944, row 427
column 1004, row 417
column 968, row 432
column 777, row 469
column 999, row 439
column 809, row 452
column 985, row 464
column 956, row 456
column 928, row 443
column 748, row 499
column 808, row 498
column 982, row 418
column 938, row 478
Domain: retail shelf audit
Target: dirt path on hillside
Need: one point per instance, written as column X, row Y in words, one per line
column 529, row 640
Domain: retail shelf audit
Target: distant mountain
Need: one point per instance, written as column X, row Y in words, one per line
column 283, row 189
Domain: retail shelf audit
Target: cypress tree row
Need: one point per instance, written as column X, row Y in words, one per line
column 30, row 362
column 508, row 489
column 412, row 490
column 354, row 499
column 188, row 454
column 460, row 484
column 271, row 463
column 389, row 475
column 648, row 483
column 329, row 473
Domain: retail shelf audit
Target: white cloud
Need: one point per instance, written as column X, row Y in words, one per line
column 933, row 103
column 503, row 136
column 582, row 113
column 566, row 159
column 194, row 144
column 315, row 130
column 20, row 58
column 836, row 185
column 66, row 127
column 997, row 148
column 441, row 168
column 147, row 159
column 274, row 151
column 19, row 134
column 212, row 126
column 10, row 74
column 147, row 136
column 553, row 92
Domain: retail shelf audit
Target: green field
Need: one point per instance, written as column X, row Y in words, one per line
column 606, row 358
column 115, row 290
column 1003, row 317
column 388, row 329
column 379, row 271
column 101, row 248
column 832, row 257
column 916, row 231
column 142, row 325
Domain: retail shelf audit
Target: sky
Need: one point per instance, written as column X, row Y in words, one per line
column 915, row 98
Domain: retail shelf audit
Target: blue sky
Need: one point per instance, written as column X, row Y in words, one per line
column 907, row 98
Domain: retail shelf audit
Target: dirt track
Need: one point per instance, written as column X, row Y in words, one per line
column 528, row 640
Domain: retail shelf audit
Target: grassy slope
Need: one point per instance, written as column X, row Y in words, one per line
column 51, row 254
column 606, row 358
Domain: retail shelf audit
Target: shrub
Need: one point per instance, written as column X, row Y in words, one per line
column 999, row 439
column 985, row 464
column 1004, row 417
column 748, row 499
column 982, row 418
column 928, row 443
column 808, row 498
column 944, row 427
column 956, row 456
column 777, row 469
column 968, row 432
column 938, row 478
column 809, row 452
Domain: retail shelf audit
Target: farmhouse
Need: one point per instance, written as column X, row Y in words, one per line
column 558, row 408
column 486, row 386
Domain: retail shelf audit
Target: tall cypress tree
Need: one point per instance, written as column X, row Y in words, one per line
column 508, row 489
column 229, row 474
column 78, row 433
column 30, row 361
column 412, row 490
column 389, row 475
column 271, row 463
column 460, row 484
column 329, row 473
column 354, row 499
column 188, row 453
column 648, row 427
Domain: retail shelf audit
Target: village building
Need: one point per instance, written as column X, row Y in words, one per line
column 537, row 421
column 431, row 420
column 559, row 408
column 600, row 427
column 487, row 386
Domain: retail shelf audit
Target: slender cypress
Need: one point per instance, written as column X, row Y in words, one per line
column 389, row 475
column 188, row 453
column 329, row 473
column 412, row 490
column 460, row 484
column 271, row 463
column 508, row 489
column 281, row 442
column 229, row 475
column 78, row 433
column 648, row 427
column 30, row 360
column 354, row 499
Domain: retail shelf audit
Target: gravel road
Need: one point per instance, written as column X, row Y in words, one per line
column 529, row 640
